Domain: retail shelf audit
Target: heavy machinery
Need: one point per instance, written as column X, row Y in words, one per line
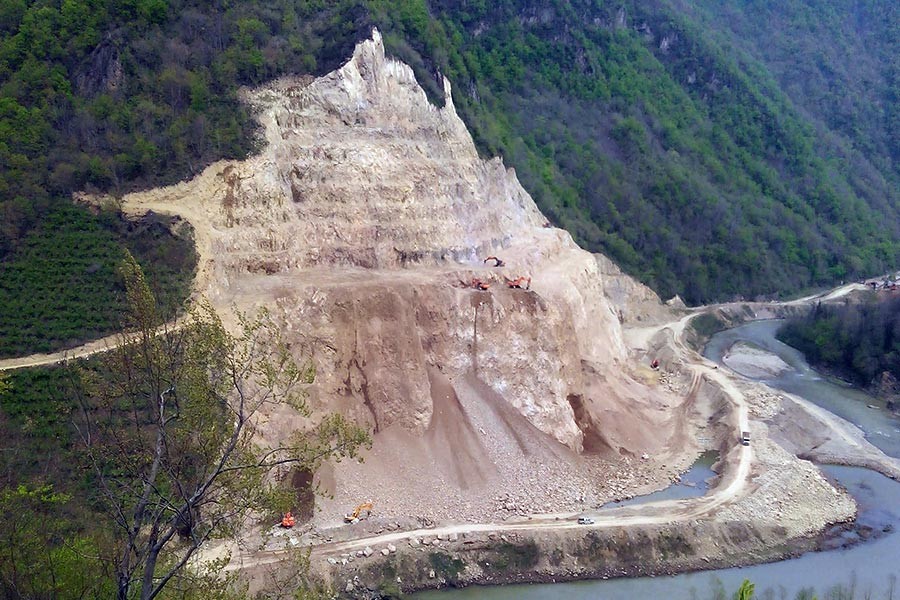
column 522, row 283
column 288, row 520
column 476, row 284
column 497, row 261
column 357, row 514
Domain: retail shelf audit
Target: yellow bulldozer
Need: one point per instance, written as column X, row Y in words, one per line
column 357, row 515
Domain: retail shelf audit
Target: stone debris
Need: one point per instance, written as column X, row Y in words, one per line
column 789, row 492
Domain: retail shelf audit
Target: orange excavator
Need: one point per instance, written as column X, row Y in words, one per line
column 521, row 283
column 478, row 284
column 288, row 520
column 356, row 515
column 497, row 261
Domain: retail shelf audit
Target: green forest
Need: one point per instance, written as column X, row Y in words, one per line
column 707, row 153
column 860, row 342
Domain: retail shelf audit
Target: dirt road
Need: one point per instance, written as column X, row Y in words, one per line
column 40, row 360
column 104, row 344
column 735, row 476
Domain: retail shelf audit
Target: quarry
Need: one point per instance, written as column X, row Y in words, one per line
column 504, row 401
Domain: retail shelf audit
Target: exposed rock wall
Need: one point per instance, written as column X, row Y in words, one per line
column 360, row 224
column 362, row 170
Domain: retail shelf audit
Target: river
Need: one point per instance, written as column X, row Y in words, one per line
column 872, row 566
column 881, row 427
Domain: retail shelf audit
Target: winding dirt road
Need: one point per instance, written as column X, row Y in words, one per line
column 735, row 477
column 104, row 344
column 41, row 360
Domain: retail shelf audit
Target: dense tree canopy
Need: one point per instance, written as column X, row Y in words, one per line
column 858, row 341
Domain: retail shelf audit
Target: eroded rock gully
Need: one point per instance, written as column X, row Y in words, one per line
column 358, row 226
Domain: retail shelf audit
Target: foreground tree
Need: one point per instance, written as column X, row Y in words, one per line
column 746, row 591
column 42, row 557
column 170, row 424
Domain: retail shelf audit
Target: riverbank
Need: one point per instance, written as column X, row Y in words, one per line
column 773, row 520
column 783, row 509
column 767, row 504
column 799, row 425
column 855, row 562
column 555, row 557
column 803, row 428
column 754, row 362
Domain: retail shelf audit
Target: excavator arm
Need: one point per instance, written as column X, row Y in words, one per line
column 365, row 506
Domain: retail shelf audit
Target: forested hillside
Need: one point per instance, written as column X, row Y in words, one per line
column 838, row 61
column 713, row 149
column 658, row 139
column 858, row 341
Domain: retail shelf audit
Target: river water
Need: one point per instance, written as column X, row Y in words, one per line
column 694, row 483
column 869, row 568
column 882, row 428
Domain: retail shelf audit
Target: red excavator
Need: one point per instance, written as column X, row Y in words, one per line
column 520, row 283
column 288, row 521
column 479, row 284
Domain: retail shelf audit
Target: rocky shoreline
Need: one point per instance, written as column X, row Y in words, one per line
column 556, row 558
column 754, row 362
column 789, row 513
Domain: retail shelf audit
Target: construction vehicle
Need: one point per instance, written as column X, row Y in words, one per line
column 479, row 284
column 288, row 521
column 521, row 283
column 745, row 438
column 357, row 515
column 497, row 261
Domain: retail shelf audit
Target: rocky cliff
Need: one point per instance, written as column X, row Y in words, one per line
column 360, row 225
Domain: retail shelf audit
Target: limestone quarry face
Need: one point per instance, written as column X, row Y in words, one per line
column 360, row 225
column 361, row 170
